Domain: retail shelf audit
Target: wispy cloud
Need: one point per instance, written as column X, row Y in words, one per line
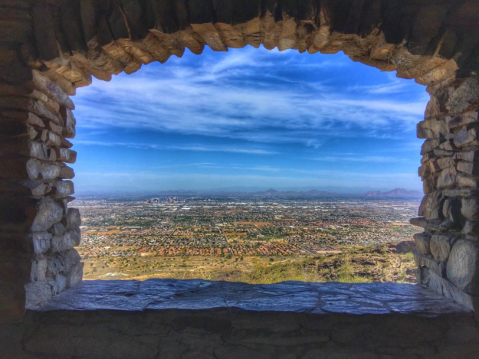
column 245, row 95
column 277, row 118
column 360, row 158
column 200, row 148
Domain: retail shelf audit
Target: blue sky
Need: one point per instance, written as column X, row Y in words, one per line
column 249, row 118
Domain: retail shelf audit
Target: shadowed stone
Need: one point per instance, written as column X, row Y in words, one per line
column 441, row 246
column 425, row 261
column 422, row 242
column 452, row 210
column 463, row 266
column 49, row 212
column 37, row 292
column 73, row 218
column 431, row 206
column 470, row 207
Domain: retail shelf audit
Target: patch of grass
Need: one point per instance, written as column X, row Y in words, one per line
column 346, row 273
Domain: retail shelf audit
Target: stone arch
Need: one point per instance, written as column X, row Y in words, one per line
column 51, row 47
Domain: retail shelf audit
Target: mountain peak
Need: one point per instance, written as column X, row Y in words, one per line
column 397, row 192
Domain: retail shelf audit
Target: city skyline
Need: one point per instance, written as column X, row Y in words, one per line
column 249, row 118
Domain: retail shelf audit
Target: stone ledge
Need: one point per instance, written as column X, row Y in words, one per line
column 197, row 319
column 296, row 297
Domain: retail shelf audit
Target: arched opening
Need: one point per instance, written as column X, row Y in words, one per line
column 51, row 48
column 217, row 132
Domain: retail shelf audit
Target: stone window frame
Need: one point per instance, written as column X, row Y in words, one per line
column 49, row 48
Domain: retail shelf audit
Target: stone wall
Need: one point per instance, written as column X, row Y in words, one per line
column 222, row 334
column 37, row 229
column 448, row 249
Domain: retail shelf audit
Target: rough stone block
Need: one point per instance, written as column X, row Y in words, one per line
column 431, row 206
column 66, row 241
column 57, row 129
column 51, row 89
column 422, row 242
column 49, row 212
column 51, row 139
column 429, row 145
column 59, row 284
column 418, row 222
column 63, row 189
column 66, row 172
column 66, row 155
column 466, row 137
column 75, row 275
column 54, row 266
column 470, row 168
column 446, row 178
column 471, row 227
column 68, row 259
column 37, row 292
column 70, row 123
column 41, row 241
column 470, row 207
column 428, row 262
column 39, row 188
column 468, row 156
column 39, row 151
column 461, row 192
column 433, row 108
column 448, row 145
column 431, row 128
column 429, row 184
column 441, row 245
column 39, row 269
column 444, row 287
column 73, row 218
column 464, row 180
column 463, row 266
column 464, row 97
column 57, row 229
column 438, row 152
column 66, row 143
column 445, row 162
column 462, row 120
column 50, row 170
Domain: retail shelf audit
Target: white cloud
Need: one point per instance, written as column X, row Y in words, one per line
column 201, row 148
column 359, row 158
column 222, row 100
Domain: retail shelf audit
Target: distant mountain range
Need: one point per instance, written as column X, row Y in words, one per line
column 270, row 193
column 273, row 193
column 395, row 193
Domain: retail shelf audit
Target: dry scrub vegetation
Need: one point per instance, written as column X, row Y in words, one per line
column 385, row 263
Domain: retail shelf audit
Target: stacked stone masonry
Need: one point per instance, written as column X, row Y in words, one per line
column 51, row 47
column 448, row 249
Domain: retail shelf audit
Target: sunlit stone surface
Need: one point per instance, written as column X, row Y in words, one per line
column 300, row 297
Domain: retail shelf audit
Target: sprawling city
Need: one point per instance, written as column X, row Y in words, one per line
column 246, row 238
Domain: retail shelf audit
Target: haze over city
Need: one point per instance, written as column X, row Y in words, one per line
column 249, row 119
